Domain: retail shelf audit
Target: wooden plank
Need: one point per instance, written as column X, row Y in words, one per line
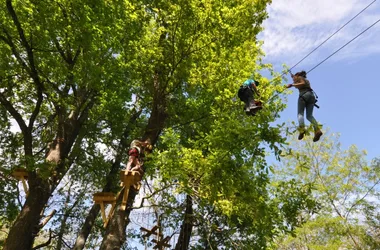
column 122, row 174
column 26, row 189
column 125, row 197
column 161, row 243
column 19, row 173
column 22, row 175
column 137, row 176
column 132, row 176
column 149, row 232
column 106, row 197
column 109, row 215
column 137, row 186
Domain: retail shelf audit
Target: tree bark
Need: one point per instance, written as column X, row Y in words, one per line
column 186, row 227
column 67, row 212
column 40, row 190
column 26, row 224
column 115, row 235
column 86, row 227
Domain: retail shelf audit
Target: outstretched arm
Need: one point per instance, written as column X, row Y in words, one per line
column 298, row 82
column 254, row 87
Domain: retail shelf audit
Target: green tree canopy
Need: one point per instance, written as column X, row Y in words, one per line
column 83, row 79
column 345, row 185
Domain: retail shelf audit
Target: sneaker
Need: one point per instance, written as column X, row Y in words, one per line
column 247, row 110
column 255, row 108
column 301, row 135
column 317, row 135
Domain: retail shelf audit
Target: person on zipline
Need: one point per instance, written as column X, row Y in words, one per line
column 246, row 94
column 306, row 100
column 136, row 154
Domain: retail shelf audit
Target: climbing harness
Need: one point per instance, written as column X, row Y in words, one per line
column 315, row 95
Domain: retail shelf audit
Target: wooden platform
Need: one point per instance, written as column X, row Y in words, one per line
column 132, row 176
column 21, row 175
column 104, row 198
column 128, row 179
column 160, row 242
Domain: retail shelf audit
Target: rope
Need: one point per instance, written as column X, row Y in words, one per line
column 344, row 45
column 332, row 35
column 287, row 71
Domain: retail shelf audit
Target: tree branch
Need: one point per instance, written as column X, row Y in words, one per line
column 76, row 55
column 33, row 70
column 361, row 199
column 60, row 50
column 151, row 195
column 47, row 219
column 16, row 115
column 24, row 42
column 8, row 40
column 47, row 243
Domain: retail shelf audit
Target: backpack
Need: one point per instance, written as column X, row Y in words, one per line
column 241, row 93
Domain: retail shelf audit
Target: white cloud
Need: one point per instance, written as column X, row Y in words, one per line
column 294, row 28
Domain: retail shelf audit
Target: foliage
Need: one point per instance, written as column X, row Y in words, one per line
column 347, row 188
column 87, row 68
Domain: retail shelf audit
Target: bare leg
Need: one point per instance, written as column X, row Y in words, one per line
column 131, row 161
column 138, row 167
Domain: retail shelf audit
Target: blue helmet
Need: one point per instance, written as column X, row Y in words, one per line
column 250, row 81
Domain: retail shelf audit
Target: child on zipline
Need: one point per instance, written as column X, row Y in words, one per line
column 246, row 94
column 306, row 100
column 136, row 154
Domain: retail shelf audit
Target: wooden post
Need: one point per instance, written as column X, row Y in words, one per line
column 22, row 175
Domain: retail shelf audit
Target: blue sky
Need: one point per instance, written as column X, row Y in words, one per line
column 348, row 83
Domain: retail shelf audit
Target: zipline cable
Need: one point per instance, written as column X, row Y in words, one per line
column 289, row 70
column 326, row 57
column 343, row 46
column 332, row 35
column 179, row 125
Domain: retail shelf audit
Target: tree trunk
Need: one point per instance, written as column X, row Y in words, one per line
column 26, row 226
column 115, row 236
column 66, row 215
column 94, row 211
column 186, row 227
column 111, row 179
column 86, row 227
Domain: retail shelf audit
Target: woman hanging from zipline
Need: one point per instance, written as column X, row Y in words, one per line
column 306, row 100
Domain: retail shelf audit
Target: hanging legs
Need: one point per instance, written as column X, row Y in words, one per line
column 251, row 106
column 307, row 101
